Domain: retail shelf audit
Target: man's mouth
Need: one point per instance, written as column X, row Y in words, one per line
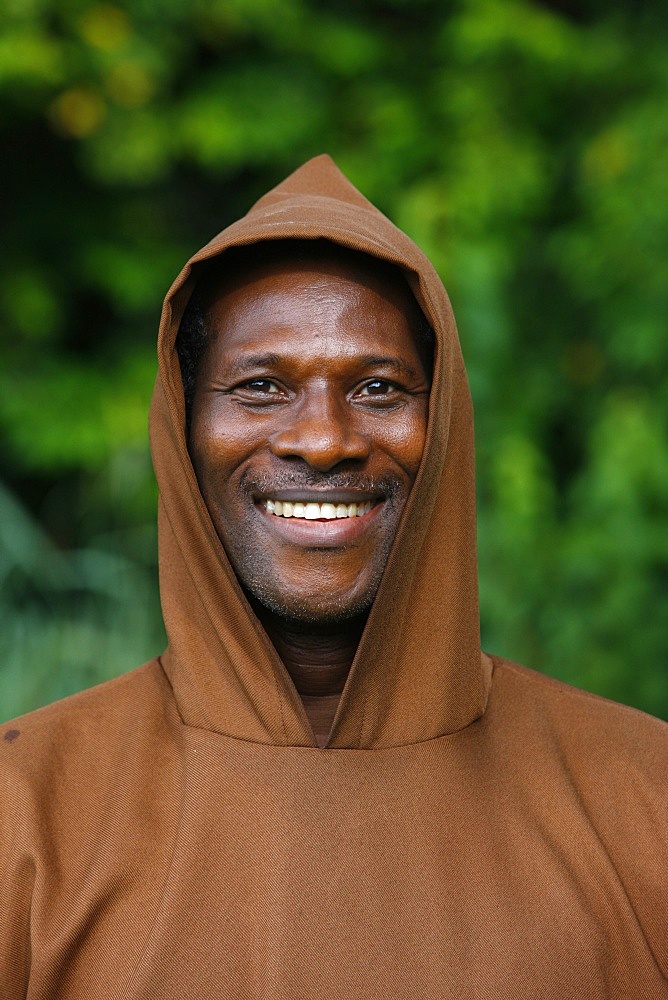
column 309, row 511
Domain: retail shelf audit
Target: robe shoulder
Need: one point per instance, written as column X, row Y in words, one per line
column 63, row 766
column 108, row 721
column 586, row 721
column 89, row 806
column 613, row 753
column 587, row 766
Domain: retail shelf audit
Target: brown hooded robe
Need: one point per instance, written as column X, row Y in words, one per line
column 472, row 829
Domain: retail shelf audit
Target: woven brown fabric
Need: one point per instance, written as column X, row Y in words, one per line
column 471, row 830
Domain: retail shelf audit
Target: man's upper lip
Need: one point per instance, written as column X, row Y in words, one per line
column 318, row 496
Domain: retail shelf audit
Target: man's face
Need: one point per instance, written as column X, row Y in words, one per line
column 308, row 425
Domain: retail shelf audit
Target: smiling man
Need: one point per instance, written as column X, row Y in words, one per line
column 323, row 788
column 309, row 369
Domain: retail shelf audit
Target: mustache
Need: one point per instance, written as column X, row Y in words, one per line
column 387, row 486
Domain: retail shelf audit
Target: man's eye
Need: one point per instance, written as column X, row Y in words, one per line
column 263, row 385
column 379, row 387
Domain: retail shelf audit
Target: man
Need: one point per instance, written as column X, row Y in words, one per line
column 323, row 788
column 307, row 414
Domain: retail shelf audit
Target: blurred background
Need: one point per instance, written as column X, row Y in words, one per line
column 522, row 144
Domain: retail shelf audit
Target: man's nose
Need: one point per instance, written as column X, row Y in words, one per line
column 322, row 432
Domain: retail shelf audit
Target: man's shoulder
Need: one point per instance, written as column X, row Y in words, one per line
column 89, row 801
column 601, row 741
column 100, row 723
column 592, row 712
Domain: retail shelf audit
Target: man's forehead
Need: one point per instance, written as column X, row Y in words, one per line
column 243, row 266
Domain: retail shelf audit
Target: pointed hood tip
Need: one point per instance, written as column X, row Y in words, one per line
column 324, row 159
column 318, row 177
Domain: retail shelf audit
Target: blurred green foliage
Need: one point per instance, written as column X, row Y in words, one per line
column 521, row 144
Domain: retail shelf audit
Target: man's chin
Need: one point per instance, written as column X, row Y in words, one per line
column 300, row 610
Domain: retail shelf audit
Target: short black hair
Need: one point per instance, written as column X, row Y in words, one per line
column 191, row 343
column 193, row 336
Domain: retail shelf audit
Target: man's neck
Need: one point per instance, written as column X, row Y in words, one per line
column 317, row 657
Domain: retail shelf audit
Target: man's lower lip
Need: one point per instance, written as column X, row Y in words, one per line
column 322, row 533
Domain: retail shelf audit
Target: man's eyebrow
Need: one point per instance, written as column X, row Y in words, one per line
column 247, row 363
column 251, row 362
column 391, row 363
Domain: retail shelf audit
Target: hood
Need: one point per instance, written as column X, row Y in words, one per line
column 418, row 673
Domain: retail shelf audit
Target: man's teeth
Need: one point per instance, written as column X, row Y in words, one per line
column 317, row 511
